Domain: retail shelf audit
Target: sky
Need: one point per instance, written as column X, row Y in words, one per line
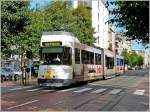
column 43, row 3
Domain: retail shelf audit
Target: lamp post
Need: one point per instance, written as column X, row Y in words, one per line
column 29, row 60
column 23, row 67
column 13, row 47
column 26, row 75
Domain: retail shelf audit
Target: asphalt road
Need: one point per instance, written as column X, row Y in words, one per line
column 128, row 92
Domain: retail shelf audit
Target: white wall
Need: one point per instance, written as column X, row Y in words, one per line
column 100, row 22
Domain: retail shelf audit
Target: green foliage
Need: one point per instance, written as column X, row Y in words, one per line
column 83, row 29
column 77, row 21
column 35, row 29
column 23, row 27
column 132, row 59
column 14, row 18
column 140, row 60
column 110, row 47
column 132, row 15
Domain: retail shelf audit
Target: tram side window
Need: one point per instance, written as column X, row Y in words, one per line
column 97, row 59
column 67, row 56
column 121, row 61
column 118, row 61
column 91, row 58
column 77, row 56
column 85, row 57
column 109, row 62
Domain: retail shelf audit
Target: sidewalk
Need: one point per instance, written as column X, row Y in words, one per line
column 17, row 83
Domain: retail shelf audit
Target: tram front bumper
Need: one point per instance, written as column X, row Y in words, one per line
column 55, row 82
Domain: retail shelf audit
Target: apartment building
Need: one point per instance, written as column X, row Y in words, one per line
column 121, row 43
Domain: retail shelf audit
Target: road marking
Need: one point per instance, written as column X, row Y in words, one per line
column 23, row 104
column 83, row 90
column 21, row 88
column 99, row 90
column 139, row 92
column 66, row 90
column 35, row 89
column 48, row 90
column 115, row 91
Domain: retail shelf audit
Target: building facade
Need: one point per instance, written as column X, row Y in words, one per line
column 121, row 43
column 99, row 20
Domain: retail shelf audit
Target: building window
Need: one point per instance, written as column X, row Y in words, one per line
column 98, row 4
column 98, row 16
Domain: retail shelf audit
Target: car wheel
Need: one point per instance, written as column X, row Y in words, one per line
column 16, row 77
column 2, row 78
column 9, row 77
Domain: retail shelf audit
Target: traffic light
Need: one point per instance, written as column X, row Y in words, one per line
column 29, row 54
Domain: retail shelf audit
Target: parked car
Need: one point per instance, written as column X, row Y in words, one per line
column 4, row 75
column 12, row 73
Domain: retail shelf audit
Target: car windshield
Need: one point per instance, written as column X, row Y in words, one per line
column 56, row 56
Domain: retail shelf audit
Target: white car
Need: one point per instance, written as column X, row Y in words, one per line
column 12, row 73
column 4, row 75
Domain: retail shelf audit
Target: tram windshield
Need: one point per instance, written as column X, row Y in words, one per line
column 56, row 55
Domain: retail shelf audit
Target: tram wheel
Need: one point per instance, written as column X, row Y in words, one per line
column 104, row 77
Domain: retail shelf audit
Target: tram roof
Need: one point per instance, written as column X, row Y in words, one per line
column 58, row 33
column 66, row 36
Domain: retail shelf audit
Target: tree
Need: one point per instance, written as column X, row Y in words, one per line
column 133, row 16
column 14, row 19
column 23, row 27
column 140, row 60
column 125, row 54
column 133, row 59
column 77, row 21
column 36, row 26
column 110, row 47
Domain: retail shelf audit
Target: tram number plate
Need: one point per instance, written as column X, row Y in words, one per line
column 48, row 74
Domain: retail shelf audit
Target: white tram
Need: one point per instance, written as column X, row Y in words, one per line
column 65, row 60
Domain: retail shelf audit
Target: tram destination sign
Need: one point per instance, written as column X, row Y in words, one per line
column 51, row 43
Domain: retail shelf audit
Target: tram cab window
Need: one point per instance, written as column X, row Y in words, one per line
column 56, row 55
column 67, row 56
column 97, row 59
column 77, row 56
column 85, row 57
column 109, row 62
